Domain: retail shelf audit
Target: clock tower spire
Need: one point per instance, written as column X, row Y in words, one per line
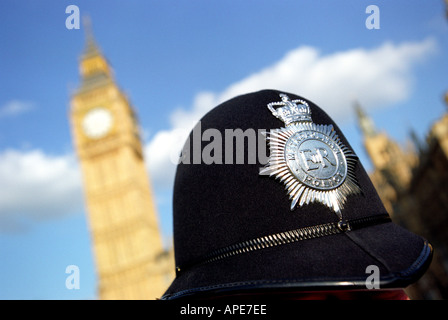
column 121, row 212
column 93, row 65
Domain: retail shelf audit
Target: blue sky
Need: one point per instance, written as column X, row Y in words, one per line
column 176, row 60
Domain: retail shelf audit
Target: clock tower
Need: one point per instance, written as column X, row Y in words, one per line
column 130, row 260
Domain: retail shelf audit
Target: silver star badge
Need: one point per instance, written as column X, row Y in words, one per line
column 309, row 159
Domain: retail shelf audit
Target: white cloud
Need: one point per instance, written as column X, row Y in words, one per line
column 15, row 107
column 161, row 154
column 377, row 77
column 34, row 185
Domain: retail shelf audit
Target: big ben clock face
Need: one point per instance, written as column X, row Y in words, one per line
column 97, row 122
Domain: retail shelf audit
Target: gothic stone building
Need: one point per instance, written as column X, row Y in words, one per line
column 413, row 185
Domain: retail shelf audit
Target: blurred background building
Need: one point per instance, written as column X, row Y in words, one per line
column 412, row 182
column 130, row 260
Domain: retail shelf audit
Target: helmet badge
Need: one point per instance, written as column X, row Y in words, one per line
column 309, row 159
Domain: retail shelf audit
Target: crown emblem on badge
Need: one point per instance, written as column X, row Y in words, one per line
column 309, row 159
column 290, row 112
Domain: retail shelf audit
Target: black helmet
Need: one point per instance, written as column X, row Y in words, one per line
column 305, row 217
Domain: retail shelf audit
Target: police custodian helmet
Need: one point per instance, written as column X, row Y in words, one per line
column 305, row 217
